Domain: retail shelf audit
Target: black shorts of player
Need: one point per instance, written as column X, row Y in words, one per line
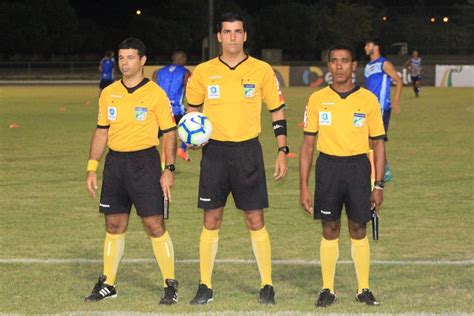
column 342, row 181
column 177, row 118
column 132, row 178
column 104, row 83
column 386, row 121
column 233, row 167
column 415, row 78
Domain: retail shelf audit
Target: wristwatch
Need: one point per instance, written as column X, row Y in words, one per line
column 379, row 184
column 170, row 167
column 284, row 149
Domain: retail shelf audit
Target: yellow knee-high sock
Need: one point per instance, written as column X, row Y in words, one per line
column 164, row 255
column 262, row 250
column 360, row 250
column 329, row 254
column 208, row 244
column 114, row 245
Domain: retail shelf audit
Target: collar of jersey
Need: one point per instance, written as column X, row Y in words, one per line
column 138, row 86
column 344, row 95
column 233, row 68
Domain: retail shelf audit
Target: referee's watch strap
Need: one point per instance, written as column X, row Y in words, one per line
column 284, row 149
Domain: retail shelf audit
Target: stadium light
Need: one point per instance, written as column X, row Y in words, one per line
column 445, row 19
column 433, row 20
column 139, row 12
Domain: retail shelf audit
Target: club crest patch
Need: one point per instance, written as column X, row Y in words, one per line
column 249, row 90
column 359, row 119
column 325, row 118
column 111, row 113
column 213, row 92
column 140, row 113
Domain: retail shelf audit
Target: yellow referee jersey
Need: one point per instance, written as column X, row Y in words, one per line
column 232, row 96
column 343, row 123
column 134, row 115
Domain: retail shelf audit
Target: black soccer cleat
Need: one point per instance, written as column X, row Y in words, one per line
column 367, row 297
column 101, row 291
column 170, row 294
column 325, row 298
column 267, row 295
column 203, row 295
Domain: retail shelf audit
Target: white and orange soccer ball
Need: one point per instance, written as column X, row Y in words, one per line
column 194, row 128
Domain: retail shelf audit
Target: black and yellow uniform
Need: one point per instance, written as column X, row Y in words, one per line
column 132, row 167
column 232, row 96
column 133, row 115
column 344, row 123
column 232, row 161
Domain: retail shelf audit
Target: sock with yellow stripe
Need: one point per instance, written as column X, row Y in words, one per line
column 262, row 250
column 208, row 245
column 360, row 250
column 114, row 245
column 164, row 255
column 329, row 254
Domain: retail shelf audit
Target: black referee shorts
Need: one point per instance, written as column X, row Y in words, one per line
column 342, row 181
column 132, row 178
column 233, row 167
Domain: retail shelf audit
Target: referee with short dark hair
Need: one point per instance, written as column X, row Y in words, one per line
column 130, row 113
column 344, row 116
column 230, row 89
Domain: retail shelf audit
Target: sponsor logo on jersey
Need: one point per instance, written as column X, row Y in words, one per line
column 111, row 113
column 249, row 90
column 325, row 118
column 140, row 113
column 213, row 92
column 359, row 119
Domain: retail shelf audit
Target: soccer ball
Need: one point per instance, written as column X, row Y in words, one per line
column 194, row 128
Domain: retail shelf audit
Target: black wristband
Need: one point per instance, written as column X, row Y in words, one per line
column 279, row 127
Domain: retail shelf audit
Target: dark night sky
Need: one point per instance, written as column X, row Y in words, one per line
column 117, row 12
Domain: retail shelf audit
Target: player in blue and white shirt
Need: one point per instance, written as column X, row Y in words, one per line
column 173, row 79
column 414, row 67
column 106, row 69
column 379, row 73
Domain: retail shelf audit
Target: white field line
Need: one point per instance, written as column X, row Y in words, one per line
column 295, row 262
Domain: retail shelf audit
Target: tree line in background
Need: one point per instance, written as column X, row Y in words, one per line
column 45, row 29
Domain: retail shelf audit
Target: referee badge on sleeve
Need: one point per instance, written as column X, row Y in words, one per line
column 359, row 119
column 111, row 113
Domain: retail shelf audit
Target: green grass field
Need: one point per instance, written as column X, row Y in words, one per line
column 425, row 255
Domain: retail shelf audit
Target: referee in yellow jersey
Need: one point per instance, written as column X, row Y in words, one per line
column 344, row 116
column 230, row 89
column 130, row 112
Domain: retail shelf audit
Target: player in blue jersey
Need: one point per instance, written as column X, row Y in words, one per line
column 173, row 79
column 414, row 67
column 106, row 69
column 379, row 74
